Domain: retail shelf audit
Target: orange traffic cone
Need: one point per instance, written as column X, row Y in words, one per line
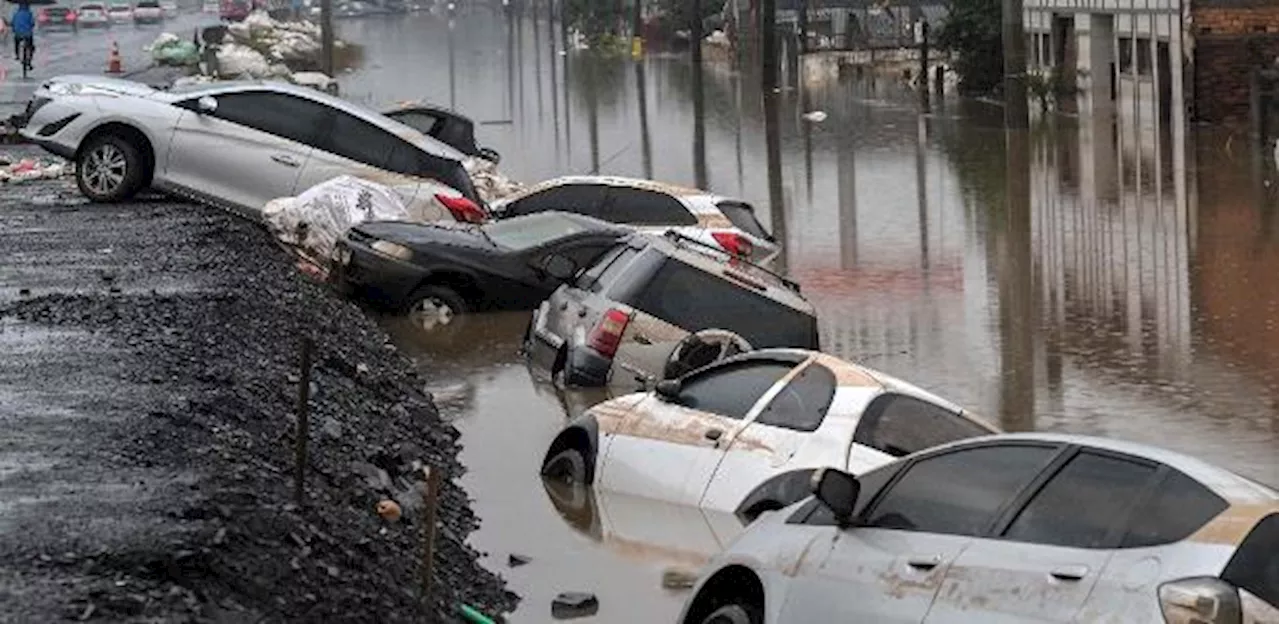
column 114, row 64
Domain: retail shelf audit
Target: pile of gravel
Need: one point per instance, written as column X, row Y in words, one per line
column 203, row 385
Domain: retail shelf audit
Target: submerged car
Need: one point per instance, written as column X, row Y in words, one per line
column 744, row 434
column 92, row 15
column 653, row 206
column 446, row 269
column 620, row 320
column 238, row 145
column 1012, row 528
column 448, row 126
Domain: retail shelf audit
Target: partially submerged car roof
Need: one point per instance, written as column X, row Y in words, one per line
column 674, row 190
column 739, row 271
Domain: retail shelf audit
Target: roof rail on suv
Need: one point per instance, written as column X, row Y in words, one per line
column 682, row 241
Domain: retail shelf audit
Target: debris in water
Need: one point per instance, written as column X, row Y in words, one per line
column 515, row 561
column 815, row 116
column 574, row 605
column 389, row 510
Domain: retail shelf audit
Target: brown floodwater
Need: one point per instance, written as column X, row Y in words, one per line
column 1108, row 279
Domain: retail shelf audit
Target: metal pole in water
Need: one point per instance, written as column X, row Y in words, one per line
column 326, row 37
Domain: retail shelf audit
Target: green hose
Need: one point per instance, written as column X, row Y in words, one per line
column 471, row 615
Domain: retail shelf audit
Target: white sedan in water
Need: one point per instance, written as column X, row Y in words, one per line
column 744, row 434
column 239, row 145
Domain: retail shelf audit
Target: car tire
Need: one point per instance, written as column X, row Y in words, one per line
column 568, row 466
column 735, row 614
column 109, row 169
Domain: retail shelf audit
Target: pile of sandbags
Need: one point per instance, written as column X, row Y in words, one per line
column 240, row 61
column 491, row 184
column 169, row 49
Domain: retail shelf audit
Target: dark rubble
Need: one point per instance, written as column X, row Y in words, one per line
column 148, row 382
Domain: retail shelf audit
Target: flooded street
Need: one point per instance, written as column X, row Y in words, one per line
column 1136, row 299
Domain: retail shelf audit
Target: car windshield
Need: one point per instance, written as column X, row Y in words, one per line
column 522, row 233
column 695, row 300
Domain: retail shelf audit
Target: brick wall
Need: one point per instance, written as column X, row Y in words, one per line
column 1232, row 41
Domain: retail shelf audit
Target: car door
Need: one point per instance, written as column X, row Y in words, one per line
column 1044, row 564
column 668, row 448
column 889, row 565
column 248, row 151
column 789, row 421
column 583, row 199
column 355, row 147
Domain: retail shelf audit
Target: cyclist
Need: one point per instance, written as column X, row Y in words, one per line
column 24, row 29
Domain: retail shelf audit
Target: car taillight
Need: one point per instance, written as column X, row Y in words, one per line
column 42, row 16
column 735, row 244
column 608, row 333
column 1199, row 600
column 463, row 209
column 71, row 16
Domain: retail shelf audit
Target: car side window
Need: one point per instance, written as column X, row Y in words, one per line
column 583, row 199
column 283, row 115
column 640, row 207
column 584, row 254
column 607, row 269
column 1253, row 566
column 898, row 424
column 733, row 389
column 1178, row 508
column 959, row 492
column 802, row 404
column 1083, row 503
column 359, row 140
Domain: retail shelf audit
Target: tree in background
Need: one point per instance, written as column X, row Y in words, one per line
column 972, row 34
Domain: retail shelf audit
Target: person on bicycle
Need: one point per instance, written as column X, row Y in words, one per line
column 24, row 29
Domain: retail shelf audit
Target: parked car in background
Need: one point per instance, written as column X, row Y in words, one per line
column 445, row 269
column 1012, row 528
column 746, row 433
column 619, row 320
column 449, row 126
column 120, row 12
column 55, row 17
column 148, row 12
column 237, row 145
column 727, row 223
column 92, row 15
column 235, row 10
column 170, row 8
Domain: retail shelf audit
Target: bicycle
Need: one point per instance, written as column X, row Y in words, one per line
column 28, row 50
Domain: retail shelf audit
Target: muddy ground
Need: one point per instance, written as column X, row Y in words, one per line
column 148, row 383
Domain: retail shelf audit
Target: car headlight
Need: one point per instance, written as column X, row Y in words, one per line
column 388, row 248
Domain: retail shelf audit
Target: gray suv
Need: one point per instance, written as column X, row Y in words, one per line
column 617, row 322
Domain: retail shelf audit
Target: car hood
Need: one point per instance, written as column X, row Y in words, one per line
column 436, row 234
column 77, row 84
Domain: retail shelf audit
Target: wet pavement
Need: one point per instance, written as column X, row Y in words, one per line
column 1134, row 296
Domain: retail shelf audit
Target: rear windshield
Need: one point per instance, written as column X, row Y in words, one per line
column 694, row 300
column 743, row 217
column 1253, row 567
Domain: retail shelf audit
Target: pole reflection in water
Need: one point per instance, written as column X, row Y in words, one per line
column 847, row 200
column 537, row 57
column 922, row 134
column 593, row 113
column 511, row 59
column 806, row 133
column 452, row 81
column 551, row 62
column 699, row 130
column 1017, row 367
column 519, row 26
column 646, row 149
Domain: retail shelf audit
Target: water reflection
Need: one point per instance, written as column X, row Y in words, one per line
column 1084, row 275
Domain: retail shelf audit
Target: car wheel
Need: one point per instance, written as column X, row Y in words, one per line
column 568, row 466
column 109, row 169
column 735, row 614
column 437, row 306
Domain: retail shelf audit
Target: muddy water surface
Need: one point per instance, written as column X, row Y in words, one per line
column 1132, row 295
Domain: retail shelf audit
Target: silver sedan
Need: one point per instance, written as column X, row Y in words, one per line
column 239, row 145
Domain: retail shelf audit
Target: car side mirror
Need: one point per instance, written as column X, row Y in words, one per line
column 490, row 155
column 668, row 389
column 206, row 105
column 838, row 490
column 559, row 267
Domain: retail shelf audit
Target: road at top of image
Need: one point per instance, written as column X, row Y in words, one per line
column 1138, row 302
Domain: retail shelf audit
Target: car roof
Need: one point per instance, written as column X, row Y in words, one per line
column 1235, row 488
column 418, row 139
column 696, row 200
column 414, row 105
column 700, row 255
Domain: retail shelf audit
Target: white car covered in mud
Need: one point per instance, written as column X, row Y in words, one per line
column 744, row 434
column 238, row 145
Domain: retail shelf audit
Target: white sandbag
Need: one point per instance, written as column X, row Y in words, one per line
column 490, row 184
column 313, row 221
column 238, row 61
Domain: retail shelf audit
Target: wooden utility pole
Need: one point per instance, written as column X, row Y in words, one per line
column 923, row 81
column 1014, row 38
column 326, row 37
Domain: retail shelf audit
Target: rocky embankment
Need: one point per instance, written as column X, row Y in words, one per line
column 149, row 371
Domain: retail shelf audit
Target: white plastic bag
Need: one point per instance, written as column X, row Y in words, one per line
column 313, row 221
column 490, row 184
column 238, row 61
